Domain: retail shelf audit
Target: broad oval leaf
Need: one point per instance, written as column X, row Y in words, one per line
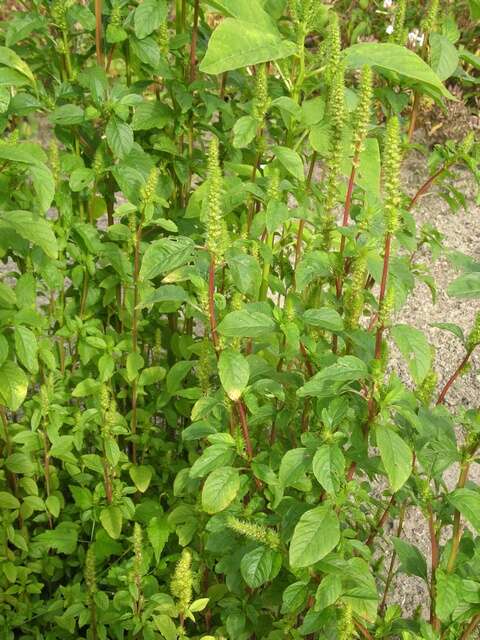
column 316, row 534
column 396, row 456
column 386, row 56
column 467, row 501
column 235, row 44
column 246, row 324
column 13, row 385
column 234, row 372
column 329, row 467
column 465, row 286
column 220, row 489
column 260, row 566
column 334, row 378
column 415, row 349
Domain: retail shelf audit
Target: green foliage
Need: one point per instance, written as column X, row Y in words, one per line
column 201, row 434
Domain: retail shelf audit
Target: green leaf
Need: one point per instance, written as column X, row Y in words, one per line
column 35, row 230
column 26, row 348
column 67, row 114
column 166, row 626
column 13, row 385
column 412, row 560
column 8, row 501
column 324, row 318
column 396, row 456
column 151, row 115
column 235, row 44
column 316, row 534
column 148, row 16
column 63, row 538
column 112, row 520
column 245, row 271
column 9, row 58
column 244, row 131
column 220, row 489
column 415, row 349
column 329, row 467
column 467, row 501
column 466, row 286
column 328, row 592
column 385, row 56
column 215, row 456
column 259, row 566
column 44, row 185
column 141, row 476
column 81, row 179
column 166, row 255
column 291, row 161
column 444, row 56
column 293, row 466
column 234, row 373
column 246, row 324
column 158, row 531
column 334, row 379
column 277, row 214
column 119, row 137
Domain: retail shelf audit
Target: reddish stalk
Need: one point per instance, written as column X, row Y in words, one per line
column 474, row 622
column 301, row 226
column 413, row 116
column 381, row 297
column 211, row 303
column 98, row 32
column 389, row 579
column 345, row 221
column 381, row 522
column 434, row 621
column 193, row 46
column 453, row 377
column 216, row 343
column 426, row 186
column 136, row 271
column 365, row 633
column 457, row 528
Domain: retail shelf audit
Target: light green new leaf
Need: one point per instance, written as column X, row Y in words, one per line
column 220, row 489
column 335, row 378
column 396, row 456
column 260, row 566
column 316, row 534
column 443, row 56
column 245, row 324
column 112, row 520
column 166, row 255
column 35, row 230
column 119, row 137
column 235, row 44
column 234, row 373
column 329, row 467
column 412, row 561
column 415, row 349
column 158, row 531
column 465, row 286
column 13, row 385
column 26, row 348
column 291, row 161
column 148, row 16
column 9, row 58
column 141, row 476
column 385, row 56
column 8, row 501
column 467, row 501
column 293, row 466
column 325, row 318
column 244, row 131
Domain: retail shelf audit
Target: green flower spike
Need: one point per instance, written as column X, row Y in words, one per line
column 391, row 170
column 182, row 581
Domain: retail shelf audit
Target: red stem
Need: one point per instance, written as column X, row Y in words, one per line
column 211, row 303
column 381, row 522
column 193, row 47
column 471, row 627
column 453, row 377
column 98, row 32
column 381, row 297
column 244, row 424
column 434, row 621
column 426, row 186
column 365, row 633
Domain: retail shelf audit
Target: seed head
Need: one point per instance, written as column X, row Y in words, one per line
column 392, row 162
column 254, row 531
column 181, row 585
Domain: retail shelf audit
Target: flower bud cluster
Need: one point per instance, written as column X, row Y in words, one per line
column 387, row 306
column 261, row 100
column 148, row 190
column 391, row 172
column 90, row 572
column 182, row 581
column 429, row 22
column 164, row 39
column 216, row 228
column 427, row 388
column 58, row 12
column 254, row 531
column 204, row 368
column 346, row 627
column 333, row 48
column 399, row 33
column 355, row 296
column 362, row 113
